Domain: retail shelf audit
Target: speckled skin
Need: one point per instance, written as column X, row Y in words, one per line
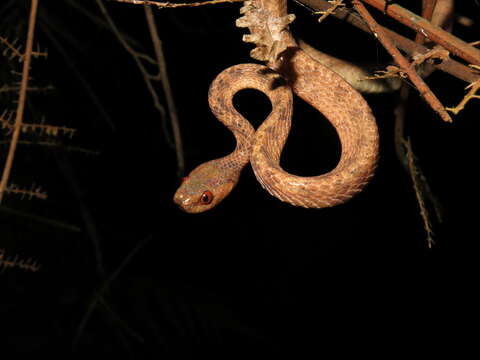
column 343, row 106
column 219, row 176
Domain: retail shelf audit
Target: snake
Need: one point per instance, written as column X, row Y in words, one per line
column 288, row 70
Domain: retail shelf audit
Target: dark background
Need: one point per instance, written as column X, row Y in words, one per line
column 255, row 275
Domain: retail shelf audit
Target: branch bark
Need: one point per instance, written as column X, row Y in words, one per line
column 408, row 46
column 441, row 37
column 423, row 88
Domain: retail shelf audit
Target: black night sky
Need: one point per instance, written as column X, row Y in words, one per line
column 255, row 275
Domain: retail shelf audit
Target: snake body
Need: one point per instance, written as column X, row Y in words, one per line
column 288, row 67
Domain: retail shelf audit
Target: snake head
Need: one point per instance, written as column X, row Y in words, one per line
column 205, row 187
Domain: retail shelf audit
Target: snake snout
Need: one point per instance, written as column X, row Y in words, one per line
column 182, row 201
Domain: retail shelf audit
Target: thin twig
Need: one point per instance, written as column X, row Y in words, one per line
column 10, row 46
column 121, row 322
column 54, row 144
column 40, row 219
column 417, row 185
column 402, row 62
column 472, row 94
column 35, row 191
column 95, row 18
column 16, row 52
column 147, row 77
column 176, row 5
column 78, row 74
column 400, row 111
column 21, row 100
column 167, row 90
column 103, row 288
column 8, row 89
column 42, row 129
column 325, row 13
column 26, row 264
column 89, row 225
column 407, row 158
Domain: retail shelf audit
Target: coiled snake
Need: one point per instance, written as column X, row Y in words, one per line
column 288, row 68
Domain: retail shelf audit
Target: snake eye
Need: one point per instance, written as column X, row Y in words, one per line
column 206, row 197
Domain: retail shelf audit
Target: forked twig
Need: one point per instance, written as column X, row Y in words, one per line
column 148, row 78
column 167, row 89
column 441, row 37
column 335, row 5
column 472, row 94
column 98, row 295
column 402, row 62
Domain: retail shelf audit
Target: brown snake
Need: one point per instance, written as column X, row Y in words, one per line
column 289, row 68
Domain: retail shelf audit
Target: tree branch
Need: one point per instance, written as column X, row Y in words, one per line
column 441, row 37
column 423, row 88
column 408, row 46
